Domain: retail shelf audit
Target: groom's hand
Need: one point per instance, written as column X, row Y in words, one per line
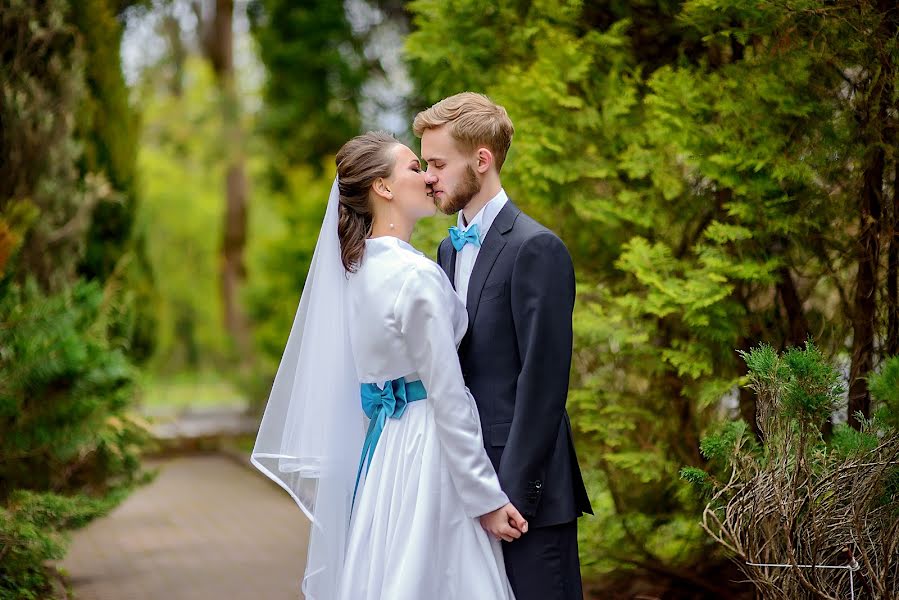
column 505, row 523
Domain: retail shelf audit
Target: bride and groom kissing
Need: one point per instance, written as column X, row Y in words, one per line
column 418, row 413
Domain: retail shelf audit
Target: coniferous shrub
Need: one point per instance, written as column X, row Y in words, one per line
column 797, row 498
column 69, row 450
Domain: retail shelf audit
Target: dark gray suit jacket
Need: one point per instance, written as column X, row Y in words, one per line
column 516, row 360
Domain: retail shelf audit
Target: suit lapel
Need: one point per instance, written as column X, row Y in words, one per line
column 490, row 249
column 448, row 260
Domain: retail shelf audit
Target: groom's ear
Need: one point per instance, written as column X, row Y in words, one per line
column 485, row 160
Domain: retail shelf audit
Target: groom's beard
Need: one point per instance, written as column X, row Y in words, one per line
column 462, row 193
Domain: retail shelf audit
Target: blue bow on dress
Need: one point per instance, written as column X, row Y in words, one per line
column 379, row 405
column 470, row 236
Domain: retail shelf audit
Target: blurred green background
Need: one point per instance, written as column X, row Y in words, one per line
column 724, row 173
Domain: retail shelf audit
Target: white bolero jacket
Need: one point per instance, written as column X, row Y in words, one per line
column 405, row 320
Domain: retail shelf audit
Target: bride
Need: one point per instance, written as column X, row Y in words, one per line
column 369, row 425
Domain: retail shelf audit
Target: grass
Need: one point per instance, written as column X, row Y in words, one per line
column 187, row 390
column 245, row 443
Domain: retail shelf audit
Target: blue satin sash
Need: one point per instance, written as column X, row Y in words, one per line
column 379, row 404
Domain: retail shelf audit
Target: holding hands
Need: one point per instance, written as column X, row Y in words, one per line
column 505, row 523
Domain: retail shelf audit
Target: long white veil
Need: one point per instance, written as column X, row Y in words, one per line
column 312, row 430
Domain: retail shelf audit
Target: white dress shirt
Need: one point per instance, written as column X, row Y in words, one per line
column 465, row 258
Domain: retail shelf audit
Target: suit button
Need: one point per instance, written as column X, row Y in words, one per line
column 538, row 484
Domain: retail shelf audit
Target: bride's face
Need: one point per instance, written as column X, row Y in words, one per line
column 411, row 195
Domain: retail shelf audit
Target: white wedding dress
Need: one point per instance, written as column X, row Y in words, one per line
column 414, row 532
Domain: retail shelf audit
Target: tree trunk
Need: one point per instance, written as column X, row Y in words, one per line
column 218, row 43
column 878, row 131
column 864, row 316
column 171, row 29
column 792, row 303
column 892, row 304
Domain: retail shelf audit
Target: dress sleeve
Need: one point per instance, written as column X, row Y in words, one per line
column 422, row 315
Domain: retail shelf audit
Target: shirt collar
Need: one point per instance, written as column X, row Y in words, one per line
column 486, row 215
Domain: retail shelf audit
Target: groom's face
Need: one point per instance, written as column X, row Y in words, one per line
column 450, row 170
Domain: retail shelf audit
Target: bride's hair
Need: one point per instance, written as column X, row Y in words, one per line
column 359, row 163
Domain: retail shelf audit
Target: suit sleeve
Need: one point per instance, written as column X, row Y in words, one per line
column 422, row 315
column 542, row 297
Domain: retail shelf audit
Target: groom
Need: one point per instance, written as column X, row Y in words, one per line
column 517, row 280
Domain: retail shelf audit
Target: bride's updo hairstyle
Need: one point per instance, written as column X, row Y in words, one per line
column 359, row 163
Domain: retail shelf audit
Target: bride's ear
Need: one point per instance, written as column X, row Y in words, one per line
column 381, row 188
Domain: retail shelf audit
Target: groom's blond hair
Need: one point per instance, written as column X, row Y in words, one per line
column 474, row 121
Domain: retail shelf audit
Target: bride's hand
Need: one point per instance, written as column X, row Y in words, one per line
column 505, row 523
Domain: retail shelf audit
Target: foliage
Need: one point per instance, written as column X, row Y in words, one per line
column 181, row 215
column 315, row 68
column 68, row 448
column 33, row 530
column 109, row 128
column 315, row 74
column 280, row 254
column 65, row 433
column 701, row 161
column 63, row 394
column 59, row 142
column 30, row 126
column 41, row 89
column 884, row 387
column 797, row 498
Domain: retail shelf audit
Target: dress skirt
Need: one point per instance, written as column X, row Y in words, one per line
column 409, row 537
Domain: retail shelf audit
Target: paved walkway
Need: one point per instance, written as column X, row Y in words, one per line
column 205, row 529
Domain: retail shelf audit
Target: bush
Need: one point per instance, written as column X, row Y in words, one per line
column 796, row 498
column 33, row 530
column 63, row 394
column 68, row 450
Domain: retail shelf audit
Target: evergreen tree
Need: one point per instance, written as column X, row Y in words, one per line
column 314, row 72
column 68, row 449
column 701, row 161
column 109, row 128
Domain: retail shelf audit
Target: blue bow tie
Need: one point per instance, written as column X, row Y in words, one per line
column 459, row 238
